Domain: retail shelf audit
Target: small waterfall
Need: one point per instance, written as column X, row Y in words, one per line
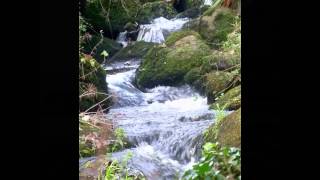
column 159, row 29
column 122, row 38
column 207, row 2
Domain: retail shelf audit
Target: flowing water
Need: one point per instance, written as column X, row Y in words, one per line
column 122, row 38
column 207, row 2
column 159, row 29
column 164, row 124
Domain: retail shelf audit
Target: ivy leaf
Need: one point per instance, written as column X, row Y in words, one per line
column 104, row 53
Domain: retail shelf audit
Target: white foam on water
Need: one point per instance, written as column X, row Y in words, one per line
column 122, row 38
column 207, row 2
column 159, row 27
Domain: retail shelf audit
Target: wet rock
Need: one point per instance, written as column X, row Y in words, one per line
column 227, row 131
column 127, row 63
column 132, row 51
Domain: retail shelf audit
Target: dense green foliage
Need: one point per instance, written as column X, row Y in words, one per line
column 111, row 16
column 217, row 163
column 152, row 10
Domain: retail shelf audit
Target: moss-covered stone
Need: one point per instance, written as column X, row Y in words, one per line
column 227, row 131
column 214, row 25
column 135, row 50
column 93, row 80
column 216, row 82
column 109, row 45
column 231, row 100
column 218, row 61
column 168, row 65
column 152, row 10
column 196, row 79
column 217, row 26
column 174, row 37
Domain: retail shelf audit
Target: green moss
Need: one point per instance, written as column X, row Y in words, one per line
column 217, row 82
column 227, row 131
column 218, row 61
column 217, row 26
column 168, row 65
column 151, row 10
column 214, row 26
column 196, row 79
column 192, row 76
column 148, row 67
column 231, row 100
column 174, row 37
column 109, row 45
column 136, row 50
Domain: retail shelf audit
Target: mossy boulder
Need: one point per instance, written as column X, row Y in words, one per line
column 214, row 25
column 152, row 10
column 92, row 82
column 196, row 79
column 167, row 65
column 231, row 100
column 174, row 37
column 227, row 131
column 217, row 82
column 133, row 51
column 218, row 61
column 107, row 44
column 217, row 26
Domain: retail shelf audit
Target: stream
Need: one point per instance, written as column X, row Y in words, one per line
column 165, row 124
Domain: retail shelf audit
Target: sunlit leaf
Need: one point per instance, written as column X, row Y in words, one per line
column 104, row 53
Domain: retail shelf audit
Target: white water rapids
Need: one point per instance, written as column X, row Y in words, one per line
column 165, row 124
column 159, row 29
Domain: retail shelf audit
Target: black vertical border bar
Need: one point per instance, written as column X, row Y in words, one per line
column 59, row 89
